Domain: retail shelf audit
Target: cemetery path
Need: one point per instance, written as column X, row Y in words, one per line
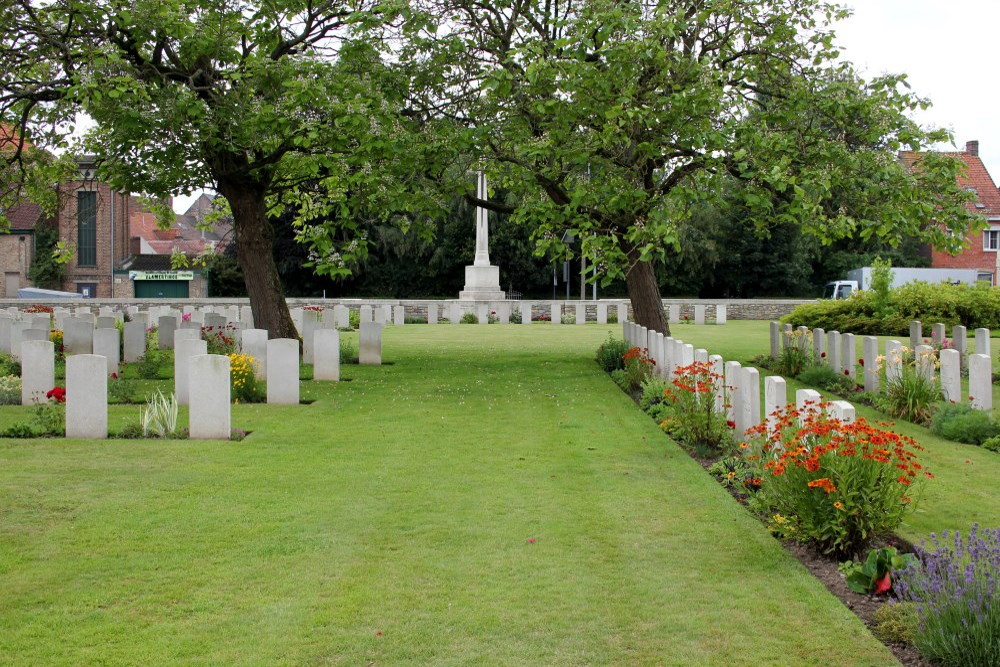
column 490, row 498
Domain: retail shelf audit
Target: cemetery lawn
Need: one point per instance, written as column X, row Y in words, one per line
column 489, row 498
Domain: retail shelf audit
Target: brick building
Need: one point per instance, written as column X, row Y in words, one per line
column 983, row 247
column 93, row 221
column 17, row 247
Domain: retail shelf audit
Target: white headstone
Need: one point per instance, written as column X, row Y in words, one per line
column 105, row 322
column 38, row 370
column 833, row 350
column 925, row 362
column 87, row 396
column 399, row 315
column 893, row 361
column 775, row 332
column 718, row 382
column 326, row 354
column 622, row 312
column 210, row 414
column 184, row 349
column 848, row 355
column 525, row 312
column 938, row 333
column 870, row 355
column 951, row 375
column 5, row 326
column 503, row 312
column 602, row 313
column 807, row 401
column 581, row 313
column 370, row 344
column 750, row 388
column 960, row 342
column 482, row 313
column 108, row 345
column 78, row 337
column 733, row 391
column 699, row 314
column 310, row 325
column 981, row 382
column 366, row 314
column 819, row 344
column 674, row 313
column 166, row 326
column 721, row 314
column 432, row 313
column 254, row 344
column 842, row 410
column 775, row 398
column 983, row 342
column 283, row 369
column 30, row 334
column 916, row 334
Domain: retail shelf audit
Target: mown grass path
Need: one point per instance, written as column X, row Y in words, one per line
column 489, row 498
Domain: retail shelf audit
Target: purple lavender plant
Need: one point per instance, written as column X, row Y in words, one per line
column 956, row 589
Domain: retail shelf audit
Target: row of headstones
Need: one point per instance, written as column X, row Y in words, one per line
column 206, row 382
column 839, row 351
column 735, row 390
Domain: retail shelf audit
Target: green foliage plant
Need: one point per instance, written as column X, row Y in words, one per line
column 10, row 390
column 653, row 390
column 795, row 355
column 348, row 351
column 121, row 389
column 909, row 394
column 49, row 418
column 354, row 319
column 148, row 365
column 46, row 270
column 159, row 417
column 895, row 622
column 821, row 376
column 696, row 420
column 963, row 423
column 992, row 444
column 881, row 287
column 220, row 339
column 837, row 486
column 469, row 318
column 638, row 367
column 611, row 354
column 874, row 574
column 8, row 366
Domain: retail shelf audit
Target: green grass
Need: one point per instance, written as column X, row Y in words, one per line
column 964, row 490
column 390, row 523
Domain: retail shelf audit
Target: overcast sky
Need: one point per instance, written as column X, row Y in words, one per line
column 948, row 50
column 947, row 47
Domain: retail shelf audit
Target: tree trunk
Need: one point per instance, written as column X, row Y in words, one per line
column 255, row 247
column 644, row 292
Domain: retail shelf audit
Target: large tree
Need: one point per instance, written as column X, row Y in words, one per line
column 255, row 99
column 612, row 119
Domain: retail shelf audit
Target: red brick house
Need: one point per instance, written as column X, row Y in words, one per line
column 983, row 247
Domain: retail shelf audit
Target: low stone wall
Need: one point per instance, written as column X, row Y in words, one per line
column 736, row 309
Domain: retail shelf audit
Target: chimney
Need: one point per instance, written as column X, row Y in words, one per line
column 135, row 245
column 972, row 148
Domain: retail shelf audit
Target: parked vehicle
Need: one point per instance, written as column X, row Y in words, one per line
column 862, row 279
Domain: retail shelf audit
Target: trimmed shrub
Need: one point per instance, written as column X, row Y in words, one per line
column 611, row 354
column 962, row 423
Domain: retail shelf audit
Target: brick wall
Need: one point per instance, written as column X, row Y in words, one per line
column 15, row 256
column 974, row 257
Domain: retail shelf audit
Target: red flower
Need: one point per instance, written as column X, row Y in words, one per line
column 847, row 372
column 730, row 423
column 822, row 355
column 57, row 393
column 861, row 361
column 883, row 585
column 114, row 376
